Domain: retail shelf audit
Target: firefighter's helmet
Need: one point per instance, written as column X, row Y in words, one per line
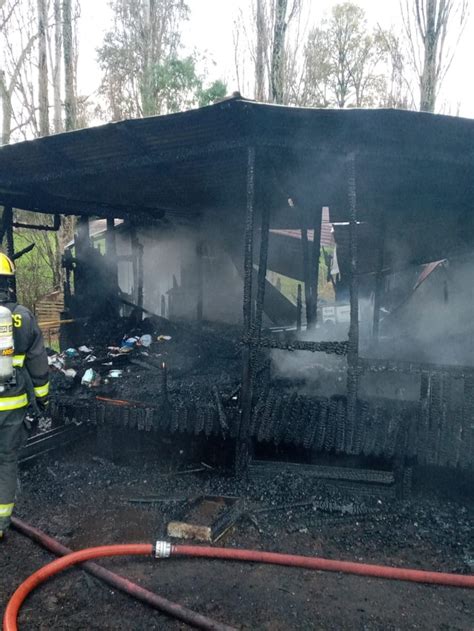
column 7, row 268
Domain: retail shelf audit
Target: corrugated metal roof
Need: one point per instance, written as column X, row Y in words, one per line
column 414, row 170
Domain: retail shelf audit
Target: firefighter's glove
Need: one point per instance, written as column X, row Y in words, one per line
column 43, row 404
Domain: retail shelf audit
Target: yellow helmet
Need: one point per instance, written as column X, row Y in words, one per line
column 6, row 266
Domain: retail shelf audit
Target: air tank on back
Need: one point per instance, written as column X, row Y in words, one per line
column 6, row 347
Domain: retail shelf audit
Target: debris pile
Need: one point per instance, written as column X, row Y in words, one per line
column 155, row 375
column 185, row 378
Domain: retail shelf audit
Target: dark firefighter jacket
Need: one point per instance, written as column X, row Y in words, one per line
column 29, row 355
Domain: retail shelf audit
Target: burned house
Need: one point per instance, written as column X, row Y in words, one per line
column 204, row 198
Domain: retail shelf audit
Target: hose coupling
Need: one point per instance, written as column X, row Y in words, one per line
column 162, row 549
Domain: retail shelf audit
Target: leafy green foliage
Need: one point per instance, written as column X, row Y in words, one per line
column 34, row 273
column 143, row 72
column 213, row 93
column 347, row 64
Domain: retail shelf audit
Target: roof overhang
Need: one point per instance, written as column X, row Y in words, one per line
column 414, row 172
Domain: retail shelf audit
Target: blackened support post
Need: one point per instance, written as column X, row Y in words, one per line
column 315, row 256
column 111, row 247
column 8, row 224
column 262, row 271
column 299, row 308
column 307, row 277
column 137, row 264
column 243, row 440
column 200, row 281
column 353, row 342
column 81, row 247
column 140, row 275
column 379, row 282
column 111, row 254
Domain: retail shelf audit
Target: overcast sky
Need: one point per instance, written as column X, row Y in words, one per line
column 210, row 27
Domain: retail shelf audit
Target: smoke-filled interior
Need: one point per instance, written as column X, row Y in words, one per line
column 323, row 259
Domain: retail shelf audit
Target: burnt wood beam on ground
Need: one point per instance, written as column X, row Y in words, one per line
column 56, row 438
column 243, row 442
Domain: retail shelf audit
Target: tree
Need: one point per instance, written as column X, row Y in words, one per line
column 314, row 89
column 43, row 69
column 347, row 64
column 278, row 52
column 70, row 104
column 143, row 74
column 262, row 47
column 349, row 57
column 135, row 54
column 17, row 36
column 431, row 41
column 25, row 88
column 399, row 88
column 56, row 67
column 271, row 45
column 216, row 91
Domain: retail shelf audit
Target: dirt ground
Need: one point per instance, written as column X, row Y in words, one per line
column 82, row 500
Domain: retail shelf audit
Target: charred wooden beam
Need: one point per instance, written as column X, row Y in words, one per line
column 66, row 206
column 353, row 342
column 82, row 245
column 315, row 256
column 389, row 365
column 53, row 439
column 262, row 274
column 200, row 281
column 379, row 281
column 7, row 228
column 299, row 308
column 21, row 253
column 335, row 348
column 45, row 228
column 243, row 443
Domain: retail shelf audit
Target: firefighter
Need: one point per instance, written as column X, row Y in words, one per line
column 26, row 374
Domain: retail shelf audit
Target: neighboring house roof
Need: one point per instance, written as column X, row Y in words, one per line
column 428, row 269
column 327, row 236
column 97, row 228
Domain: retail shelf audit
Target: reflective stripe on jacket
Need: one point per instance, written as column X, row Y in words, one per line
column 13, row 403
column 30, row 355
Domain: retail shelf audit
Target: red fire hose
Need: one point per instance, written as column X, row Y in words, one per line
column 317, row 563
column 170, row 608
column 164, row 550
